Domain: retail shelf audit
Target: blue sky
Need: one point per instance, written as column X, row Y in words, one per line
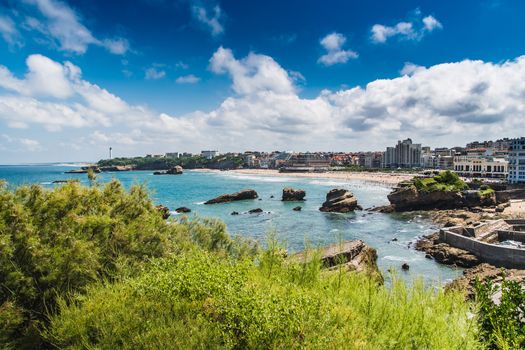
column 182, row 75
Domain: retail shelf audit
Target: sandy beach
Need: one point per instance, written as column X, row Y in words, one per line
column 383, row 178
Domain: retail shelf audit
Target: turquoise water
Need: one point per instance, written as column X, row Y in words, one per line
column 295, row 228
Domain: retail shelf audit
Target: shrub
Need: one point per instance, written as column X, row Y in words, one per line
column 57, row 242
column 501, row 323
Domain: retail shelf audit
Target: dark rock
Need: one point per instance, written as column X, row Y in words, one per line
column 165, row 212
column 290, row 194
column 260, row 199
column 409, row 198
column 405, row 267
column 272, row 196
column 484, row 272
column 234, row 213
column 340, row 201
column 242, row 195
column 298, row 208
column 445, row 253
column 428, row 256
column 383, row 209
column 255, row 211
column 176, row 170
column 183, row 210
column 353, row 255
column 394, row 239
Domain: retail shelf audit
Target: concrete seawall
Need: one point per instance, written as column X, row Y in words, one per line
column 498, row 255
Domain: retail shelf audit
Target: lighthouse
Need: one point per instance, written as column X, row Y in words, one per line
column 110, row 149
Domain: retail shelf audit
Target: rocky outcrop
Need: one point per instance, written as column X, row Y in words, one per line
column 255, row 211
column 176, row 170
column 445, row 253
column 298, row 208
column 340, row 201
column 353, row 255
column 165, row 212
column 290, row 194
column 238, row 196
column 183, row 210
column 409, row 198
column 484, row 272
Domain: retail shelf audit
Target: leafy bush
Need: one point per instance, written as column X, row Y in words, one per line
column 57, row 242
column 501, row 323
column 200, row 300
column 445, row 181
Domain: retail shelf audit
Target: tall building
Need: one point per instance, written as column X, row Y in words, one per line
column 209, row 154
column 517, row 161
column 405, row 154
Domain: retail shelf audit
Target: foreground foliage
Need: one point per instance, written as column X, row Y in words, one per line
column 99, row 268
column 53, row 243
column 502, row 314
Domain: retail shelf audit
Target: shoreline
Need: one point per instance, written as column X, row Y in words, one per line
column 382, row 178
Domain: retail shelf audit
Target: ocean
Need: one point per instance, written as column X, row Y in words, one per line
column 294, row 228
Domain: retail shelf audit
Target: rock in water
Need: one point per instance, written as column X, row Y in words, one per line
column 238, row 196
column 353, row 255
column 165, row 212
column 183, row 210
column 234, row 213
column 298, row 208
column 255, row 211
column 290, row 194
column 405, row 267
column 176, row 170
column 339, row 201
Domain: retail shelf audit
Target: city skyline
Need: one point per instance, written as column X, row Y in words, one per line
column 77, row 78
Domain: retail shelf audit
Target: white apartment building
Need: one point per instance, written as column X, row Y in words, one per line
column 481, row 166
column 209, row 154
column 517, row 161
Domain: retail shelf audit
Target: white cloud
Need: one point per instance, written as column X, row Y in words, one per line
column 154, row 73
column 431, row 23
column 253, row 73
column 8, row 143
column 415, row 30
column 212, row 21
column 333, row 44
column 188, row 79
column 9, row 31
column 117, row 46
column 61, row 24
column 445, row 104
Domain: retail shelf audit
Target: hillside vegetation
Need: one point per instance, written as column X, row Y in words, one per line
column 98, row 267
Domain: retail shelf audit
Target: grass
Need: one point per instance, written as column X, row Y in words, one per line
column 445, row 181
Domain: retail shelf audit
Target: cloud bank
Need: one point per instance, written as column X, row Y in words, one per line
column 443, row 104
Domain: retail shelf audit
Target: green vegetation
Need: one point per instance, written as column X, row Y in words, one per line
column 445, row 181
column 152, row 163
column 502, row 324
column 98, row 267
column 485, row 190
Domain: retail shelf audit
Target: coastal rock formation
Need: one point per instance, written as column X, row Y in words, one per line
column 176, row 170
column 298, row 208
column 164, row 211
column 183, row 210
column 255, row 211
column 445, row 253
column 238, row 196
column 484, row 272
column 353, row 255
column 290, row 194
column 340, row 201
column 427, row 194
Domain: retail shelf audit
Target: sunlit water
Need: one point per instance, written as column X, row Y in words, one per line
column 192, row 189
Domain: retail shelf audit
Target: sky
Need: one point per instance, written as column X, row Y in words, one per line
column 157, row 76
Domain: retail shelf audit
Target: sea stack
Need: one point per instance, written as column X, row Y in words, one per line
column 340, row 201
column 238, row 196
column 290, row 194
